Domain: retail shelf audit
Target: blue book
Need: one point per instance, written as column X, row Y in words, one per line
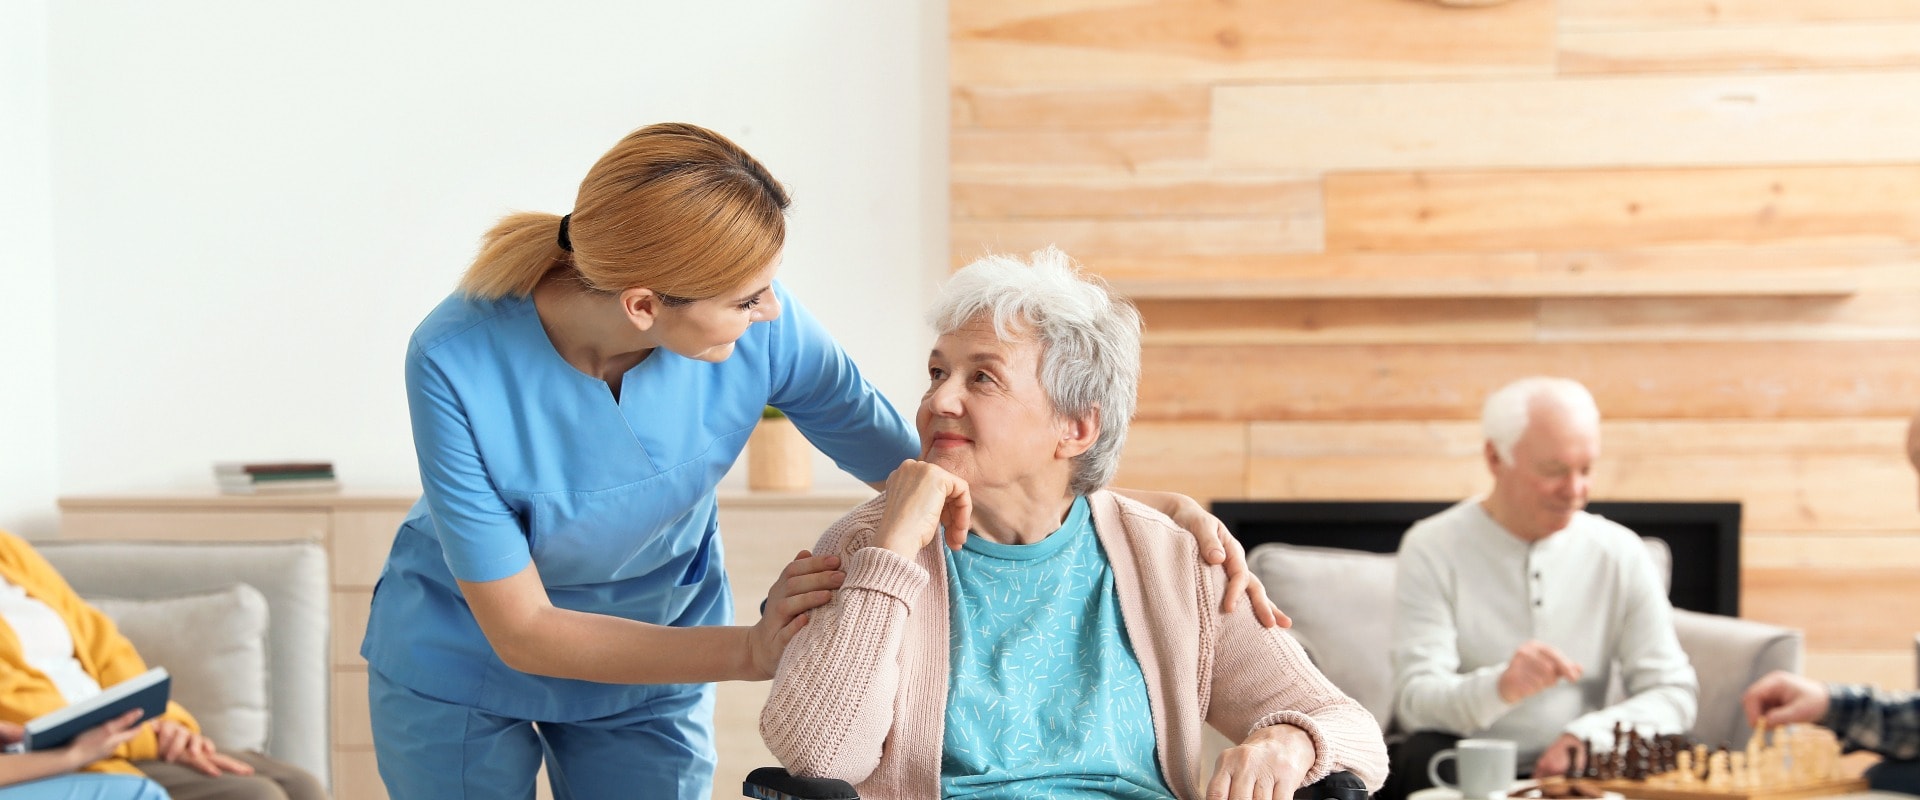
column 147, row 691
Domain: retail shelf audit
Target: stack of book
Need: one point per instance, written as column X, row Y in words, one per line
column 275, row 477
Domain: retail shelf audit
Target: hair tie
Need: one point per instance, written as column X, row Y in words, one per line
column 566, row 243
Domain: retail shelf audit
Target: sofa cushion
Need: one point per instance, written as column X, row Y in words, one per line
column 1341, row 602
column 214, row 646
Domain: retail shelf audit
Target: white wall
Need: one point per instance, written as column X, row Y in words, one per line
column 29, row 457
column 254, row 203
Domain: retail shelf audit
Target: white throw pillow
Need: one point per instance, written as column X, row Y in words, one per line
column 215, row 647
column 1341, row 602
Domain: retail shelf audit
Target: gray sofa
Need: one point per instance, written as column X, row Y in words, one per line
column 253, row 672
column 1342, row 604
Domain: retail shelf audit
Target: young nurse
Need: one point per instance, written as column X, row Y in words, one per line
column 559, row 592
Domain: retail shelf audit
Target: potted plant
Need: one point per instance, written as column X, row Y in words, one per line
column 779, row 459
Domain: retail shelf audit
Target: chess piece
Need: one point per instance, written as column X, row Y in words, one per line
column 1737, row 777
column 1683, row 770
column 1717, row 778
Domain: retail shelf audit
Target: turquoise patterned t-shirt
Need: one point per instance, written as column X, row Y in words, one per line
column 1046, row 699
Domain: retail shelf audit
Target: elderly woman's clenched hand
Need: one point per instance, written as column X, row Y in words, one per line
column 921, row 499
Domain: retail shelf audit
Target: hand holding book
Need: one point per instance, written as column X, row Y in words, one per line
column 101, row 742
column 92, row 745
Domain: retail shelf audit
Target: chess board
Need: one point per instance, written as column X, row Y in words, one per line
column 1641, row 790
column 1780, row 764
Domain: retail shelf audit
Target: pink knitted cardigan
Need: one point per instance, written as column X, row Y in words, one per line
column 861, row 693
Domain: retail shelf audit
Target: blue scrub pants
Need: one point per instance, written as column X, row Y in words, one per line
column 85, row 786
column 431, row 749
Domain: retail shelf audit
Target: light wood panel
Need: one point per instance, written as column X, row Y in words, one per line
column 1803, row 478
column 1226, row 321
column 1094, row 237
column 1868, row 268
column 1770, row 118
column 352, row 722
column 1770, row 550
column 1456, row 438
column 1160, row 106
column 1889, row 669
column 1868, row 317
column 1615, row 209
column 1579, row 15
column 1205, row 460
column 1751, row 271
column 986, row 152
column 1137, row 197
column 350, row 611
column 191, row 525
column 1839, row 609
column 1705, row 209
column 1143, row 41
column 1631, row 380
column 1741, row 49
column 356, row 774
column 1242, row 322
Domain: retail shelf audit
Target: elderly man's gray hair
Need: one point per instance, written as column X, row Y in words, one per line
column 1089, row 341
column 1504, row 418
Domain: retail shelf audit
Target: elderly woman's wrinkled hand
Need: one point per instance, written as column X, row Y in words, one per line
column 922, row 499
column 1271, row 763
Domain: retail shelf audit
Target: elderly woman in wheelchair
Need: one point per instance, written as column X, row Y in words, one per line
column 1065, row 641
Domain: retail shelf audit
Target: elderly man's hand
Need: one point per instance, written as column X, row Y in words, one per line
column 1783, row 697
column 1269, row 765
column 1564, row 751
column 921, row 499
column 1534, row 667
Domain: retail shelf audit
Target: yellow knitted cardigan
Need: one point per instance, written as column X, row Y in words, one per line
column 106, row 655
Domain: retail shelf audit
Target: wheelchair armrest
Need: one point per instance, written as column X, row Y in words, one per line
column 774, row 783
column 1342, row 785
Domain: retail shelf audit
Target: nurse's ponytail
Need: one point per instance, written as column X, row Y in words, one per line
column 675, row 208
column 519, row 251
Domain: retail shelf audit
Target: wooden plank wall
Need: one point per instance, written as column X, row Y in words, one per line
column 1346, row 221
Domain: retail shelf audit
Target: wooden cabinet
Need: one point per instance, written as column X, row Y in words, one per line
column 760, row 532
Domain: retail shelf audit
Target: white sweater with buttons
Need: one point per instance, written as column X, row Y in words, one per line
column 1470, row 592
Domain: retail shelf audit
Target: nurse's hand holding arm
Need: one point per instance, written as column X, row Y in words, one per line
column 530, row 634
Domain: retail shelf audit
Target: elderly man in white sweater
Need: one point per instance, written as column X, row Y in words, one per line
column 1515, row 609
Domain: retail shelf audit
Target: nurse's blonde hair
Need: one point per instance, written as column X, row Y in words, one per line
column 673, row 207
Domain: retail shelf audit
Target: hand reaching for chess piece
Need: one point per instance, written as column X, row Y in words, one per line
column 1782, row 698
column 1563, row 756
column 1534, row 667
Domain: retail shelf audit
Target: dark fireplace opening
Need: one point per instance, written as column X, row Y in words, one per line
column 1704, row 537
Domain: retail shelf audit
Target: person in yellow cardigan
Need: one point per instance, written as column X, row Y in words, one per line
column 56, row 649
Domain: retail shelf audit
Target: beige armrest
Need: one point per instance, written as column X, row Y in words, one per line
column 1728, row 655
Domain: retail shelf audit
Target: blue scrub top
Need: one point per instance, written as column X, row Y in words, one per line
column 524, row 458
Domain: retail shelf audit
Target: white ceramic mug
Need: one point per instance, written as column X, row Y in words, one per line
column 1485, row 767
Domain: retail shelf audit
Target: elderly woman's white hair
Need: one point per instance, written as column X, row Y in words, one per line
column 1507, row 412
column 1089, row 341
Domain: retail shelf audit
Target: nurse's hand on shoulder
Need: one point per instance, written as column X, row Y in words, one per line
column 1217, row 546
column 806, row 584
